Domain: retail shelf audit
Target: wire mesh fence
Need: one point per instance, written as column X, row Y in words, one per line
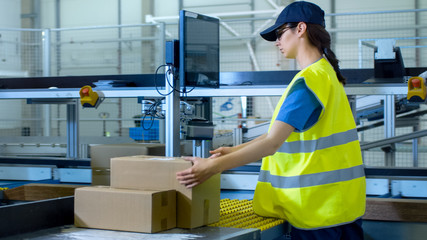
column 21, row 52
column 107, row 50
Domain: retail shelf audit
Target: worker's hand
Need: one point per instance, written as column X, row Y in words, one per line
column 201, row 170
column 221, row 152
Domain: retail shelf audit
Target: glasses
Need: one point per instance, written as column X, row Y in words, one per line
column 280, row 32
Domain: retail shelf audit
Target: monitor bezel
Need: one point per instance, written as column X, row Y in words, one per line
column 182, row 48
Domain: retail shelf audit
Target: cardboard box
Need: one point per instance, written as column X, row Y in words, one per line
column 39, row 191
column 101, row 155
column 195, row 207
column 125, row 210
column 393, row 209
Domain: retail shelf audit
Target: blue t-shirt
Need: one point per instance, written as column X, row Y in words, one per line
column 301, row 108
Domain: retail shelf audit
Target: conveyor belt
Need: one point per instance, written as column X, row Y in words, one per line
column 240, row 214
column 237, row 221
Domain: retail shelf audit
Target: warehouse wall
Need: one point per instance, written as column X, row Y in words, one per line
column 10, row 11
column 78, row 13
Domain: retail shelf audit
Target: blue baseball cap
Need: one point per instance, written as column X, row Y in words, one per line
column 300, row 11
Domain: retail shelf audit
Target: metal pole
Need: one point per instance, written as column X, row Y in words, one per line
column 162, row 131
column 162, row 41
column 47, row 117
column 415, row 148
column 352, row 102
column 58, row 37
column 362, row 138
column 119, row 51
column 417, row 34
column 73, row 130
column 333, row 25
column 360, row 54
column 201, row 148
column 46, row 73
column 120, row 62
column 46, row 52
column 244, row 101
column 396, row 139
column 197, row 147
column 389, row 129
column 172, row 147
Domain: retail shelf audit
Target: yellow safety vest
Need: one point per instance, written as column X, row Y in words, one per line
column 316, row 179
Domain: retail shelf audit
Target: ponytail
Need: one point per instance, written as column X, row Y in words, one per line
column 321, row 39
column 330, row 55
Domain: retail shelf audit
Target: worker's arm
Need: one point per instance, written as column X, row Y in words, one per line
column 203, row 168
column 221, row 151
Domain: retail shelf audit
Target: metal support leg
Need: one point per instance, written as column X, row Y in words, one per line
column 72, row 130
column 172, row 123
column 352, row 102
column 46, row 117
column 362, row 138
column 237, row 136
column 46, row 52
column 415, row 148
column 201, row 148
column 389, row 128
column 46, row 73
column 162, row 131
column 244, row 101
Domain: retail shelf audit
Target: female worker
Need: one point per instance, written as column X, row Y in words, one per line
column 312, row 173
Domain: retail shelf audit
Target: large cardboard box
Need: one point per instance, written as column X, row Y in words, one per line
column 195, row 207
column 125, row 210
column 101, row 155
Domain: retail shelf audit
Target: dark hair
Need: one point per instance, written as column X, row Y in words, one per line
column 320, row 38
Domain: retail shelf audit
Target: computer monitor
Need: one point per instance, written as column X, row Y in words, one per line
column 198, row 50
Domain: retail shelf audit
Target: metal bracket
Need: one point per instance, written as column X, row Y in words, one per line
column 385, row 49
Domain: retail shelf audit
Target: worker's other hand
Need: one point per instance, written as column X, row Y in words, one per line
column 221, row 152
column 201, row 170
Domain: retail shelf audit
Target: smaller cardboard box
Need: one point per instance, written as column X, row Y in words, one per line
column 125, row 210
column 196, row 207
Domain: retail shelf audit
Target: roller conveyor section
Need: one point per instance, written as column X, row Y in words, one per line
column 237, row 221
column 240, row 214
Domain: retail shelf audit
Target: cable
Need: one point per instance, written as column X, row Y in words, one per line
column 170, row 71
column 175, row 76
column 155, row 81
column 151, row 124
column 157, row 114
column 153, row 114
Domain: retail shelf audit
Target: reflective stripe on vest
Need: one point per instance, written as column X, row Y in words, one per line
column 309, row 146
column 314, row 179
